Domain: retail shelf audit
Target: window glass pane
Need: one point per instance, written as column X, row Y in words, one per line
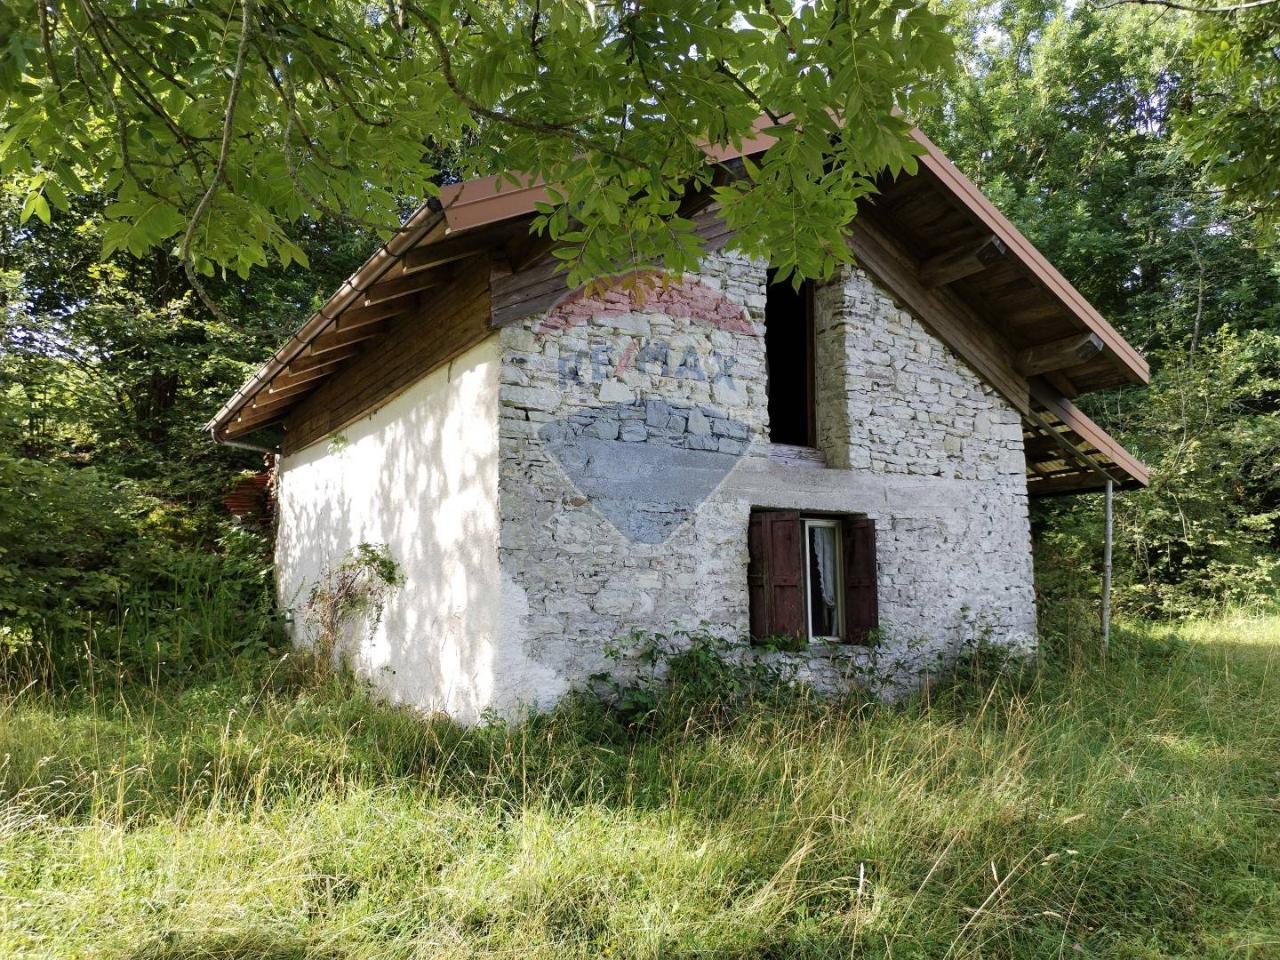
column 824, row 582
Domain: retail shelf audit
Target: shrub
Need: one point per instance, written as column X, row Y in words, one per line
column 93, row 572
column 355, row 589
column 660, row 680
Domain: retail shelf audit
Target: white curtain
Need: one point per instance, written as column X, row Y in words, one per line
column 824, row 552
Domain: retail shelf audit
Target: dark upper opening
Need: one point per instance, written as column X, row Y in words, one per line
column 788, row 345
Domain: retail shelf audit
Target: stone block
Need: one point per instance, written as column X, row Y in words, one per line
column 614, row 391
column 656, row 413
column 728, row 391
column 604, row 429
column 531, row 398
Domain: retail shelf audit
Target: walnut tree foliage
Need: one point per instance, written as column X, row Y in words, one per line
column 214, row 125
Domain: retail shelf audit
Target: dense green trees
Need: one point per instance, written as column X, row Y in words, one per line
column 1073, row 120
column 111, row 523
column 1229, row 121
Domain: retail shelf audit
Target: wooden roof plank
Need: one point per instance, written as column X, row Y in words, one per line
column 963, row 189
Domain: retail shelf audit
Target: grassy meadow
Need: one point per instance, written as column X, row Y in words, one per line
column 1129, row 809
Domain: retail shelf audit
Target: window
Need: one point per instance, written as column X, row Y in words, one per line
column 788, row 347
column 812, row 577
column 823, row 579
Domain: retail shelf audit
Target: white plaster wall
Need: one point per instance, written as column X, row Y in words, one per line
column 420, row 475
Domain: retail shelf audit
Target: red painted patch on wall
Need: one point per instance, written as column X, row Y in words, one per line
column 648, row 292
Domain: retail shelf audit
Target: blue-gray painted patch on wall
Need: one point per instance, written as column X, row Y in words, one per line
column 646, row 466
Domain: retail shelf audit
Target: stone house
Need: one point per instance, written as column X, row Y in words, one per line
column 842, row 470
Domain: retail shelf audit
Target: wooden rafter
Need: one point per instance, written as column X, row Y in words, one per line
column 1074, row 419
column 337, row 339
column 272, row 391
column 264, row 402
column 406, row 285
column 1068, row 352
column 956, row 264
column 447, row 250
column 284, row 379
column 1075, row 451
column 247, row 421
column 359, row 316
column 1066, row 483
column 1039, row 312
column 305, row 363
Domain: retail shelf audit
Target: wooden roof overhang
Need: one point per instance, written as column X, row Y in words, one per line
column 931, row 239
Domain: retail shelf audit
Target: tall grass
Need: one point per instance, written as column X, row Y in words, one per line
column 1127, row 809
column 205, row 610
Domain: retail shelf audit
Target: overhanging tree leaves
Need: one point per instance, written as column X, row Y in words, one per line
column 214, row 125
column 1231, row 124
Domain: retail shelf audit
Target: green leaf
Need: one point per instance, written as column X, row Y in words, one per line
column 35, row 204
column 144, row 225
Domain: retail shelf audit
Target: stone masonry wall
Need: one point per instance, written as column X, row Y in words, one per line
column 634, row 444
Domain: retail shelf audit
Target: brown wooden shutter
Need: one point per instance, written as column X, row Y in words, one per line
column 775, row 574
column 861, row 608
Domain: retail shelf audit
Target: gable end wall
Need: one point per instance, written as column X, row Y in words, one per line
column 634, row 444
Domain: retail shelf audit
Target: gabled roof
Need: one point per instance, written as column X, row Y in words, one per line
column 932, row 239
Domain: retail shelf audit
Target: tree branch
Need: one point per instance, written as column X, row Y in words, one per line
column 723, row 68
column 46, row 41
column 476, row 107
column 1187, row 8
column 219, row 172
